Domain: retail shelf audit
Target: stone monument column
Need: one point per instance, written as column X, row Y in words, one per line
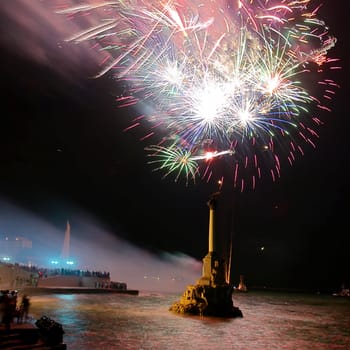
column 212, row 207
column 213, row 270
column 211, row 295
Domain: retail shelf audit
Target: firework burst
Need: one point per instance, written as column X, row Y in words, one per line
column 224, row 82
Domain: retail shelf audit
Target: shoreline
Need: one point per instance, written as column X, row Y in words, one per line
column 74, row 290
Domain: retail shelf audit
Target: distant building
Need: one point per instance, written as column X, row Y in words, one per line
column 14, row 249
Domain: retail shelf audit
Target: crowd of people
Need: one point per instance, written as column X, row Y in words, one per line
column 71, row 272
column 12, row 309
column 56, row 271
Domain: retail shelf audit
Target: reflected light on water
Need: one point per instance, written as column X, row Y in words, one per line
column 270, row 321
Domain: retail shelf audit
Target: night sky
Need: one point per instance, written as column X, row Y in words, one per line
column 62, row 146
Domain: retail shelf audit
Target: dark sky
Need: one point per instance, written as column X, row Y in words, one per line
column 62, row 146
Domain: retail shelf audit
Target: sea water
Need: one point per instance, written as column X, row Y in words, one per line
column 143, row 322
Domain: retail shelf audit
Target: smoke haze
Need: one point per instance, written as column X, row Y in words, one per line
column 95, row 249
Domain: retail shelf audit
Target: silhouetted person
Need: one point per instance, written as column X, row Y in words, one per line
column 24, row 307
column 7, row 311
